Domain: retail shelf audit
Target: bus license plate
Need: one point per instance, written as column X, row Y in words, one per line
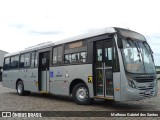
column 147, row 92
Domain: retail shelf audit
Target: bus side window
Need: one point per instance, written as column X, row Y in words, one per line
column 68, row 58
column 27, row 60
column 57, row 54
column 32, row 59
column 6, row 64
column 73, row 57
column 36, row 57
column 12, row 62
column 83, row 56
column 21, row 64
column 16, row 61
column 54, row 55
column 79, row 57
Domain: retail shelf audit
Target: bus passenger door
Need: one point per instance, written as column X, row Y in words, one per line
column 44, row 71
column 103, row 69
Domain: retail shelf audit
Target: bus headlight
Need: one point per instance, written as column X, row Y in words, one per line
column 130, row 81
column 131, row 84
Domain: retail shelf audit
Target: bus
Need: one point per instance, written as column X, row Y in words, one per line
column 112, row 63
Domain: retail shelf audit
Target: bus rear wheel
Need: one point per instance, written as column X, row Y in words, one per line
column 20, row 88
column 81, row 94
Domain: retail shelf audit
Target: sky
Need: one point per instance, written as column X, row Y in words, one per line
column 24, row 23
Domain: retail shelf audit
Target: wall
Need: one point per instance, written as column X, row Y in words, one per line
column 2, row 53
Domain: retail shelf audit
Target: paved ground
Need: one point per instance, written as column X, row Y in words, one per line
column 10, row 101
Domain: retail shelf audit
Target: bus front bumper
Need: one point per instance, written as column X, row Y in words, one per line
column 131, row 94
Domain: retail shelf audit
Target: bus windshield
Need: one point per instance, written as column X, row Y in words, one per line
column 137, row 57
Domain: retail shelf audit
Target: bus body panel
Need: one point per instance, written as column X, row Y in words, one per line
column 117, row 86
column 9, row 78
column 58, row 82
column 30, row 79
column 64, row 75
column 28, row 76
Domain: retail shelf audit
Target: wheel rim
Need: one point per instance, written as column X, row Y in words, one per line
column 81, row 93
column 20, row 87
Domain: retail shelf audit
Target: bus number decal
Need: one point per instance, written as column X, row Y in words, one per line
column 90, row 79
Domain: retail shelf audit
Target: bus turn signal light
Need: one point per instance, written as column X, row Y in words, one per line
column 117, row 89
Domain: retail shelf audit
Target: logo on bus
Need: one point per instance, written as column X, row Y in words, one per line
column 59, row 74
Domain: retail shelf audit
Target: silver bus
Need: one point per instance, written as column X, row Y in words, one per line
column 111, row 63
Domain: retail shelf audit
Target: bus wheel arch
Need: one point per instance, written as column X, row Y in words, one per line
column 80, row 92
column 73, row 83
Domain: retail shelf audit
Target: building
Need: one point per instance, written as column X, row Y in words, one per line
column 158, row 71
column 2, row 53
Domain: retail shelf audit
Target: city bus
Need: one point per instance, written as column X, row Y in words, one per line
column 112, row 63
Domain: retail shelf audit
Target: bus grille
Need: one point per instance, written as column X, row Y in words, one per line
column 142, row 94
column 144, row 79
column 144, row 88
column 149, row 86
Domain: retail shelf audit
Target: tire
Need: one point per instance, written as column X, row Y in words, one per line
column 81, row 94
column 20, row 88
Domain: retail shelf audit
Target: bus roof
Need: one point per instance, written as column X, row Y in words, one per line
column 79, row 37
column 87, row 35
column 75, row 38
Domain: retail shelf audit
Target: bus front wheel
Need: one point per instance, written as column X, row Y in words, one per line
column 20, row 88
column 81, row 94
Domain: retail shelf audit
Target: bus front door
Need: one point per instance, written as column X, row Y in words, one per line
column 44, row 71
column 103, row 69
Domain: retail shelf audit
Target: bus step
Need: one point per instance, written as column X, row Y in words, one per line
column 107, row 98
column 44, row 92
